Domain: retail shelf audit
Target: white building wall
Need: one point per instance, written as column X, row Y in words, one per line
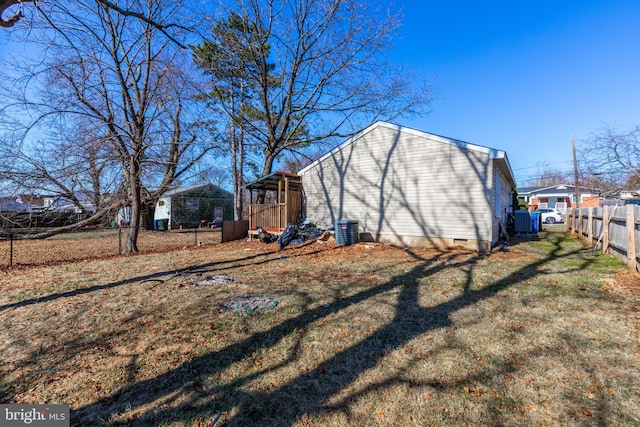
column 504, row 195
column 405, row 188
column 163, row 209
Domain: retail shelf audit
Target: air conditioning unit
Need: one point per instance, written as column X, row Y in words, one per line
column 523, row 222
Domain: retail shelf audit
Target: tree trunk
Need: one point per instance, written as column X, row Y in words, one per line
column 237, row 148
column 135, row 186
column 147, row 213
column 269, row 158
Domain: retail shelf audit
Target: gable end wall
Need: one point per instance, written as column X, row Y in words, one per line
column 405, row 189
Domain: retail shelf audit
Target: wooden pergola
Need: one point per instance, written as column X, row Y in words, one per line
column 284, row 207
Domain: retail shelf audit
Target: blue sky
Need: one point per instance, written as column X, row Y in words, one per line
column 524, row 77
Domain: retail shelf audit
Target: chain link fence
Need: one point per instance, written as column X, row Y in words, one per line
column 17, row 250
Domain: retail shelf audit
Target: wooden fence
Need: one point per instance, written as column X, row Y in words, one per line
column 234, row 230
column 614, row 229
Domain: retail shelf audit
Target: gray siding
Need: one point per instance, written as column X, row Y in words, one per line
column 403, row 187
column 505, row 203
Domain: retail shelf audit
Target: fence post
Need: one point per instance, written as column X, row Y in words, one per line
column 119, row 240
column 590, row 226
column 195, row 238
column 10, row 250
column 631, row 241
column 605, row 229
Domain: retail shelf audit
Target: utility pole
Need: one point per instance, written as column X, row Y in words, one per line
column 575, row 172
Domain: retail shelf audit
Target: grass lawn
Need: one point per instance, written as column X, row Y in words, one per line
column 97, row 244
column 546, row 333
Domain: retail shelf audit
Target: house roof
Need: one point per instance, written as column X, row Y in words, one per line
column 270, row 182
column 498, row 155
column 10, row 204
column 190, row 188
column 553, row 190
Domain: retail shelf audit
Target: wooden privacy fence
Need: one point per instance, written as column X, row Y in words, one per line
column 234, row 230
column 614, row 229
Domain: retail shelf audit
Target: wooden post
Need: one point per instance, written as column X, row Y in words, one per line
column 590, row 226
column 605, row 229
column 280, row 226
column 631, row 241
column 10, row 250
column 579, row 222
column 286, row 199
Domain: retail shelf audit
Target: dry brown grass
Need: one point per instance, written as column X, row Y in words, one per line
column 98, row 244
column 544, row 334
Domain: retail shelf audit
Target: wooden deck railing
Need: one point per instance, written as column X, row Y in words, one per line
column 270, row 217
column 274, row 217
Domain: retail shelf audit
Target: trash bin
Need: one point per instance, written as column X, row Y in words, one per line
column 535, row 220
column 347, row 232
column 163, row 224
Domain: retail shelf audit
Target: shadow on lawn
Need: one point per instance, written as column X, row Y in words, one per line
column 310, row 391
column 157, row 277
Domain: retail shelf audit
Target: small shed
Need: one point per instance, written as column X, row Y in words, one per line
column 193, row 206
column 282, row 205
column 407, row 187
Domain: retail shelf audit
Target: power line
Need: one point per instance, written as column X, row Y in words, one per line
column 543, row 165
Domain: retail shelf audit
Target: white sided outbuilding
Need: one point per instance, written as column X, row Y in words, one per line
column 412, row 188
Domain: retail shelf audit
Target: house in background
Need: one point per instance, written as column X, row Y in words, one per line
column 55, row 203
column 560, row 197
column 408, row 187
column 37, row 203
column 12, row 205
column 191, row 206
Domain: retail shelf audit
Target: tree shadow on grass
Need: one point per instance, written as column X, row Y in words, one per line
column 101, row 339
column 310, row 391
column 162, row 276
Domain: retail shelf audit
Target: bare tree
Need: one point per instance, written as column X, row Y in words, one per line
column 294, row 161
column 15, row 17
column 317, row 71
column 73, row 165
column 547, row 175
column 122, row 75
column 11, row 20
column 611, row 157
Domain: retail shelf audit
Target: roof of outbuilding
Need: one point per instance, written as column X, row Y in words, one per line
column 270, row 182
column 190, row 188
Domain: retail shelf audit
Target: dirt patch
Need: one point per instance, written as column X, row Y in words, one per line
column 510, row 253
column 199, row 281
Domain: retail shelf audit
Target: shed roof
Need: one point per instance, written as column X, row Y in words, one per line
column 270, row 182
column 498, row 155
column 190, row 188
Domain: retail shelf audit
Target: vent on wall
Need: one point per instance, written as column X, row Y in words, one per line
column 523, row 222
